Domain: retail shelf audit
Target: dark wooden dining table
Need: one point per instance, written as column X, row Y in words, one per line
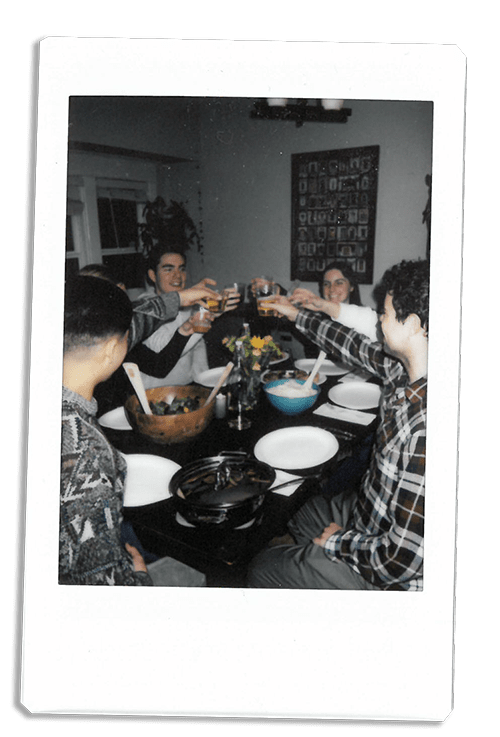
column 223, row 554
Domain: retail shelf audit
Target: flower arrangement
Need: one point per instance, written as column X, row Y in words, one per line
column 255, row 357
column 258, row 352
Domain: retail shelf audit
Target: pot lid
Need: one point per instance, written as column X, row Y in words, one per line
column 227, row 480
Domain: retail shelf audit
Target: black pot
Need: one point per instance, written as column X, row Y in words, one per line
column 225, row 490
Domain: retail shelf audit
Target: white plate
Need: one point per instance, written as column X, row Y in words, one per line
column 210, row 377
column 116, row 419
column 327, row 367
column 284, row 357
column 147, row 479
column 355, row 395
column 296, row 447
column 356, row 375
column 321, row 378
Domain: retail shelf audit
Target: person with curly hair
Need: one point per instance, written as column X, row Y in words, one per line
column 369, row 537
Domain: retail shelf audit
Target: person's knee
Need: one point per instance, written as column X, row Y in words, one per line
column 310, row 520
column 257, row 573
column 273, row 567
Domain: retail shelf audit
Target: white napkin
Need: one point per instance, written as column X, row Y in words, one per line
column 281, row 478
column 356, row 375
column 347, row 415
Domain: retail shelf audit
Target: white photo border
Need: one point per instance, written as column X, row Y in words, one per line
column 297, row 654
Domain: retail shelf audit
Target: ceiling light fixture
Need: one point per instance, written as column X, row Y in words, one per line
column 300, row 111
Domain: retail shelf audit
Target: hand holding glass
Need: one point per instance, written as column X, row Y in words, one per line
column 266, row 294
column 258, row 282
column 231, row 296
column 201, row 320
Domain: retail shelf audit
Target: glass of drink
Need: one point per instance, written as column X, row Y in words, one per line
column 201, row 320
column 213, row 304
column 258, row 282
column 265, row 294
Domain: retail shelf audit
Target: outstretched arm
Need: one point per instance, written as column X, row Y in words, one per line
column 153, row 311
column 159, row 364
column 305, row 298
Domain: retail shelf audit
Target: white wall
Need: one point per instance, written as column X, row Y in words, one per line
column 246, row 183
column 239, row 183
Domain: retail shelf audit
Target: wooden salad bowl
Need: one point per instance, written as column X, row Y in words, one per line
column 166, row 429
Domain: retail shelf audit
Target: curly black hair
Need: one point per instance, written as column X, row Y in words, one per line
column 408, row 285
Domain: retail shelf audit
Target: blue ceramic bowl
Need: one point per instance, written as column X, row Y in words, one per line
column 290, row 405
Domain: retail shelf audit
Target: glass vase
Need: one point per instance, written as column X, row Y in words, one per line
column 244, row 398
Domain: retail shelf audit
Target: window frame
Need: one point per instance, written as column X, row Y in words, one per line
column 87, row 173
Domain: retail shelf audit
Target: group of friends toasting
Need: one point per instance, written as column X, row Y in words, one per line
column 368, row 535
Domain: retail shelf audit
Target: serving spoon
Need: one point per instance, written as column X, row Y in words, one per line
column 132, row 371
column 309, row 381
column 222, row 379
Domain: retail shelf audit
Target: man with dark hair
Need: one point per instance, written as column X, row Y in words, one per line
column 104, row 272
column 100, row 324
column 369, row 538
column 174, row 354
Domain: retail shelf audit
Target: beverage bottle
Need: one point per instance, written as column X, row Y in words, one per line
column 235, row 392
column 245, row 331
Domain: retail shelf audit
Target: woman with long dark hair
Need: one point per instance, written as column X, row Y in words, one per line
column 340, row 299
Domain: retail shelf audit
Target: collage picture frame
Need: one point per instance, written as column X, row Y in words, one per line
column 334, row 205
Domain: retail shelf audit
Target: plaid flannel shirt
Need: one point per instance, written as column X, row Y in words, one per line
column 384, row 540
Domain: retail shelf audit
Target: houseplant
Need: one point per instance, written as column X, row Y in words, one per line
column 169, row 224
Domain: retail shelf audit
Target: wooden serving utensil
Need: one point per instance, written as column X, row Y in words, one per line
column 222, row 379
column 133, row 373
column 310, row 378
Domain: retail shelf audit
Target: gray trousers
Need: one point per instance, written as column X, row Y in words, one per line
column 305, row 565
column 171, row 572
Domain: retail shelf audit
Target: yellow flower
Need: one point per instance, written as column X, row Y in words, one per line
column 257, row 342
column 256, row 367
column 256, row 352
column 268, row 338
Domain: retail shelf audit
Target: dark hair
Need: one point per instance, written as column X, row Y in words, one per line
column 154, row 256
column 408, row 285
column 102, row 271
column 94, row 310
column 349, row 274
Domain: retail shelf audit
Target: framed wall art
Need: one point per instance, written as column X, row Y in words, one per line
column 334, row 204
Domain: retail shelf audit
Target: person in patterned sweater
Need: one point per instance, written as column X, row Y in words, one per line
column 368, row 538
column 100, row 326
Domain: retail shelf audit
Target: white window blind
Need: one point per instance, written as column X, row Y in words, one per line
column 121, row 190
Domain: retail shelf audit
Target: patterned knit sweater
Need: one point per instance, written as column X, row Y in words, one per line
column 92, row 480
